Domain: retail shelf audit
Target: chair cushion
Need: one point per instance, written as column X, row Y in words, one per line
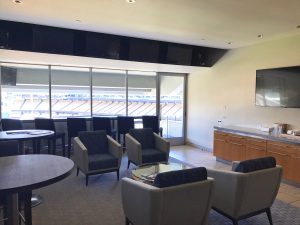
column 179, row 177
column 251, row 165
column 144, row 136
column 102, row 161
column 95, row 141
column 151, row 155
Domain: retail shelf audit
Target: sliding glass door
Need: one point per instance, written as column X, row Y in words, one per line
column 172, row 106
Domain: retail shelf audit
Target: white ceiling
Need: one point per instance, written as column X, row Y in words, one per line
column 199, row 22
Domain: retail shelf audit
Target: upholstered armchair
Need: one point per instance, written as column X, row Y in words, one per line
column 146, row 147
column 248, row 190
column 95, row 152
column 176, row 204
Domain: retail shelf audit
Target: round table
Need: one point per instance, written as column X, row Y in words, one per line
column 22, row 135
column 24, row 173
column 148, row 173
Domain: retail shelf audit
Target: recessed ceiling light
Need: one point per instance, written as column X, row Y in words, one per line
column 130, row 1
column 203, row 39
column 260, row 36
column 298, row 26
column 17, row 1
column 79, row 21
column 229, row 43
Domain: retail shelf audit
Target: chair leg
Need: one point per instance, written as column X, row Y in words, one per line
column 86, row 180
column 118, row 174
column 127, row 222
column 49, row 146
column 27, row 207
column 124, row 144
column 128, row 164
column 63, row 145
column 235, row 222
column 54, row 147
column 69, row 147
column 77, row 171
column 268, row 211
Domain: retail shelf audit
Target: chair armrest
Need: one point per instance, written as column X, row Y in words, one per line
column 81, row 157
column 142, row 203
column 162, row 144
column 229, row 191
column 115, row 149
column 134, row 149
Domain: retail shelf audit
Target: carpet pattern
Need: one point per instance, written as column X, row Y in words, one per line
column 70, row 202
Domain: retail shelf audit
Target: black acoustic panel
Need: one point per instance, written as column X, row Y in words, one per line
column 143, row 50
column 179, row 54
column 53, row 40
column 206, row 57
column 38, row 38
column 163, row 51
column 16, row 36
column 102, row 45
column 124, row 48
column 4, row 37
column 79, row 43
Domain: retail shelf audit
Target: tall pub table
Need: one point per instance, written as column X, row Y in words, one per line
column 33, row 135
column 24, row 173
column 24, row 135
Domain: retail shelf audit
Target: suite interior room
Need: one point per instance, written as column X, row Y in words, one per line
column 221, row 77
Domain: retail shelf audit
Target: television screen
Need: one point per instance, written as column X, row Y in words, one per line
column 279, row 87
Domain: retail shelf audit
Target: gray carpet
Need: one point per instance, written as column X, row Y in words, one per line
column 70, row 202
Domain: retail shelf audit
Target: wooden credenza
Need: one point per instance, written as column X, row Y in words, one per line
column 233, row 147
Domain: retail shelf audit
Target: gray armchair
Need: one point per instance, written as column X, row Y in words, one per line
column 144, row 204
column 241, row 195
column 95, row 152
column 146, row 147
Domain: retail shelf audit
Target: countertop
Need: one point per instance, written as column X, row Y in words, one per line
column 251, row 132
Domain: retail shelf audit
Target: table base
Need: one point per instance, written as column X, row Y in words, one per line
column 36, row 200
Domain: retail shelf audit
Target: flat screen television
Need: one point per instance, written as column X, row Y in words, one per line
column 278, row 87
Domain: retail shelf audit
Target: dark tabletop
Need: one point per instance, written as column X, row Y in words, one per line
column 27, row 172
column 24, row 134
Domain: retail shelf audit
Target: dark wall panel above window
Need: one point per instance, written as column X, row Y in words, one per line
column 46, row 39
column 53, row 40
column 143, row 50
column 179, row 54
column 102, row 45
column 15, row 36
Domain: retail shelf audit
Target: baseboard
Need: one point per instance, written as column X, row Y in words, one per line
column 190, row 143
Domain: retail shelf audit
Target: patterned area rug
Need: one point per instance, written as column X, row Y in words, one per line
column 70, row 202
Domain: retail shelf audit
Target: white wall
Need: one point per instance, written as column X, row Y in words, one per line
column 227, row 90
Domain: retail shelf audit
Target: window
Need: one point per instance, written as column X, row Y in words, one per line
column 141, row 93
column 25, row 91
column 70, row 92
column 109, row 96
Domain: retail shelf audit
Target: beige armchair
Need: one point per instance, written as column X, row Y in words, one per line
column 146, row 147
column 96, row 153
column 145, row 204
column 242, row 195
